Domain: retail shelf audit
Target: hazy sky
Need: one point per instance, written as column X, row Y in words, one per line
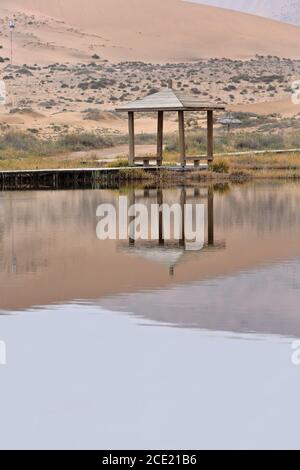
column 285, row 10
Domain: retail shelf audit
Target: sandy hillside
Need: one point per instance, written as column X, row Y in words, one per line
column 284, row 106
column 77, row 61
column 151, row 30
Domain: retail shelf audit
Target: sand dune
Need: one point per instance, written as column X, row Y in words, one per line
column 151, row 30
column 284, row 106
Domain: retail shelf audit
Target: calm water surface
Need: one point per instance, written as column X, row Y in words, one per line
column 111, row 344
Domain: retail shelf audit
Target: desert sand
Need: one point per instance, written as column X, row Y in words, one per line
column 284, row 106
column 87, row 57
column 151, row 30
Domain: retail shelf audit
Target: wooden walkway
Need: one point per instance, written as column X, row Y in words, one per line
column 72, row 178
column 255, row 152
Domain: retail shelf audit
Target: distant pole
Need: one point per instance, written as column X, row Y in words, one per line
column 12, row 26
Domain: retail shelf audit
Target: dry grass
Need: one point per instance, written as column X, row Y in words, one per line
column 285, row 165
column 264, row 159
column 19, row 151
column 233, row 167
column 33, row 163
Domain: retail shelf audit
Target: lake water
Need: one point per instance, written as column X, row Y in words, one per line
column 114, row 344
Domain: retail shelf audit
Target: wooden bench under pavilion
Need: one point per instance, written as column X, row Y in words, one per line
column 170, row 100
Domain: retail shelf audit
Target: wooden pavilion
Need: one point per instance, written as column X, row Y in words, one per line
column 171, row 252
column 166, row 101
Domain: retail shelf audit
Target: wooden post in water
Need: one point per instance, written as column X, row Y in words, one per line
column 210, row 217
column 210, row 136
column 182, row 204
column 131, row 219
column 160, row 129
column 160, row 217
column 131, row 138
column 181, row 138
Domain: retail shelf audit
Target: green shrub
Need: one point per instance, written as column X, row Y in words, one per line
column 219, row 166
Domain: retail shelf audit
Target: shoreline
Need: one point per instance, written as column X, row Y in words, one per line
column 89, row 178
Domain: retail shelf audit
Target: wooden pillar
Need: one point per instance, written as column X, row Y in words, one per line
column 131, row 138
column 210, row 217
column 131, row 219
column 160, row 130
column 181, row 138
column 182, row 204
column 210, row 136
column 160, row 217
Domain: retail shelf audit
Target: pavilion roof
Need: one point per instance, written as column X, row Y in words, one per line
column 169, row 100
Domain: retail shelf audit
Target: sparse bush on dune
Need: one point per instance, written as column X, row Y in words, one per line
column 257, row 141
column 93, row 115
column 83, row 141
column 145, row 138
column 19, row 141
column 234, row 142
column 22, row 144
column 195, row 140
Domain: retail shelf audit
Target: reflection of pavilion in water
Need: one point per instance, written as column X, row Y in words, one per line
column 172, row 252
